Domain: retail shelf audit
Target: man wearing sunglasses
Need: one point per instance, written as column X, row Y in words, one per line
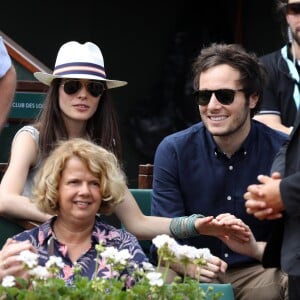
column 207, row 168
column 281, row 97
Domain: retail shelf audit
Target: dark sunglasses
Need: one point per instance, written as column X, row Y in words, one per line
column 293, row 8
column 95, row 88
column 224, row 96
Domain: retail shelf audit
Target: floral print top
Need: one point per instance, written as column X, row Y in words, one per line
column 44, row 240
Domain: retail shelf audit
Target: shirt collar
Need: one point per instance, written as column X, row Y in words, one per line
column 46, row 232
column 244, row 149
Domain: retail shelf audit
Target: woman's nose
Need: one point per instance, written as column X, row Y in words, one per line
column 84, row 188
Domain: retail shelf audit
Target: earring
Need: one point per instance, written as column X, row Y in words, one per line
column 289, row 34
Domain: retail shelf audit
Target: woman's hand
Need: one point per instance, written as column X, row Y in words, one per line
column 9, row 263
column 223, row 226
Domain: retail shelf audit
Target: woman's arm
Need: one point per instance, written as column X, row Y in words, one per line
column 143, row 227
column 24, row 154
column 148, row 227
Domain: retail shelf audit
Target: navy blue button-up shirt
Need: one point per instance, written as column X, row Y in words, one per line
column 192, row 176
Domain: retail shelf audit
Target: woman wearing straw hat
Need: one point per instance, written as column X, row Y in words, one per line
column 78, row 105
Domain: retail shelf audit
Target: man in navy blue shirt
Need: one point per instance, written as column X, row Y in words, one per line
column 207, row 168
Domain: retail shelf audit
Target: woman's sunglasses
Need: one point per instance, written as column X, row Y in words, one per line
column 224, row 96
column 293, row 8
column 95, row 88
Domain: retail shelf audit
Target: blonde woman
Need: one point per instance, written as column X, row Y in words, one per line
column 78, row 181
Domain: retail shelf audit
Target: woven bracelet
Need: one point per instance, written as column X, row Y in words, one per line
column 184, row 227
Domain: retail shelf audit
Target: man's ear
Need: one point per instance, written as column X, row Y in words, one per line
column 253, row 99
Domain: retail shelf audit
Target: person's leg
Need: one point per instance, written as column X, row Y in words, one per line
column 294, row 287
column 257, row 283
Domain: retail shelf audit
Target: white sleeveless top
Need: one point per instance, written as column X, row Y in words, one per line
column 29, row 181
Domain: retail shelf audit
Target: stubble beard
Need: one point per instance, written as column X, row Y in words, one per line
column 232, row 130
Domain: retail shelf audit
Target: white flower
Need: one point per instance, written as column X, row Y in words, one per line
column 155, row 278
column 123, row 256
column 77, row 268
column 117, row 257
column 56, row 261
column 204, row 253
column 165, row 240
column 109, row 253
column 185, row 251
column 162, row 239
column 8, row 281
column 40, row 272
column 29, row 258
column 147, row 266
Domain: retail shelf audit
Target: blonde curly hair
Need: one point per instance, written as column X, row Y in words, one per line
column 100, row 162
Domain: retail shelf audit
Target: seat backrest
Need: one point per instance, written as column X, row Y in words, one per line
column 226, row 289
column 143, row 198
column 8, row 229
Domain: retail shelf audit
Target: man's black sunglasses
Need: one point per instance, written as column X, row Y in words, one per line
column 72, row 86
column 293, row 8
column 224, row 96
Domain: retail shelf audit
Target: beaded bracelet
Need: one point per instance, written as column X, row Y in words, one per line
column 184, row 227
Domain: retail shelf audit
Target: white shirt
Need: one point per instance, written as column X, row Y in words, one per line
column 5, row 61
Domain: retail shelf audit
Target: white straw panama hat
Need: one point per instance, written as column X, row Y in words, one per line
column 80, row 61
